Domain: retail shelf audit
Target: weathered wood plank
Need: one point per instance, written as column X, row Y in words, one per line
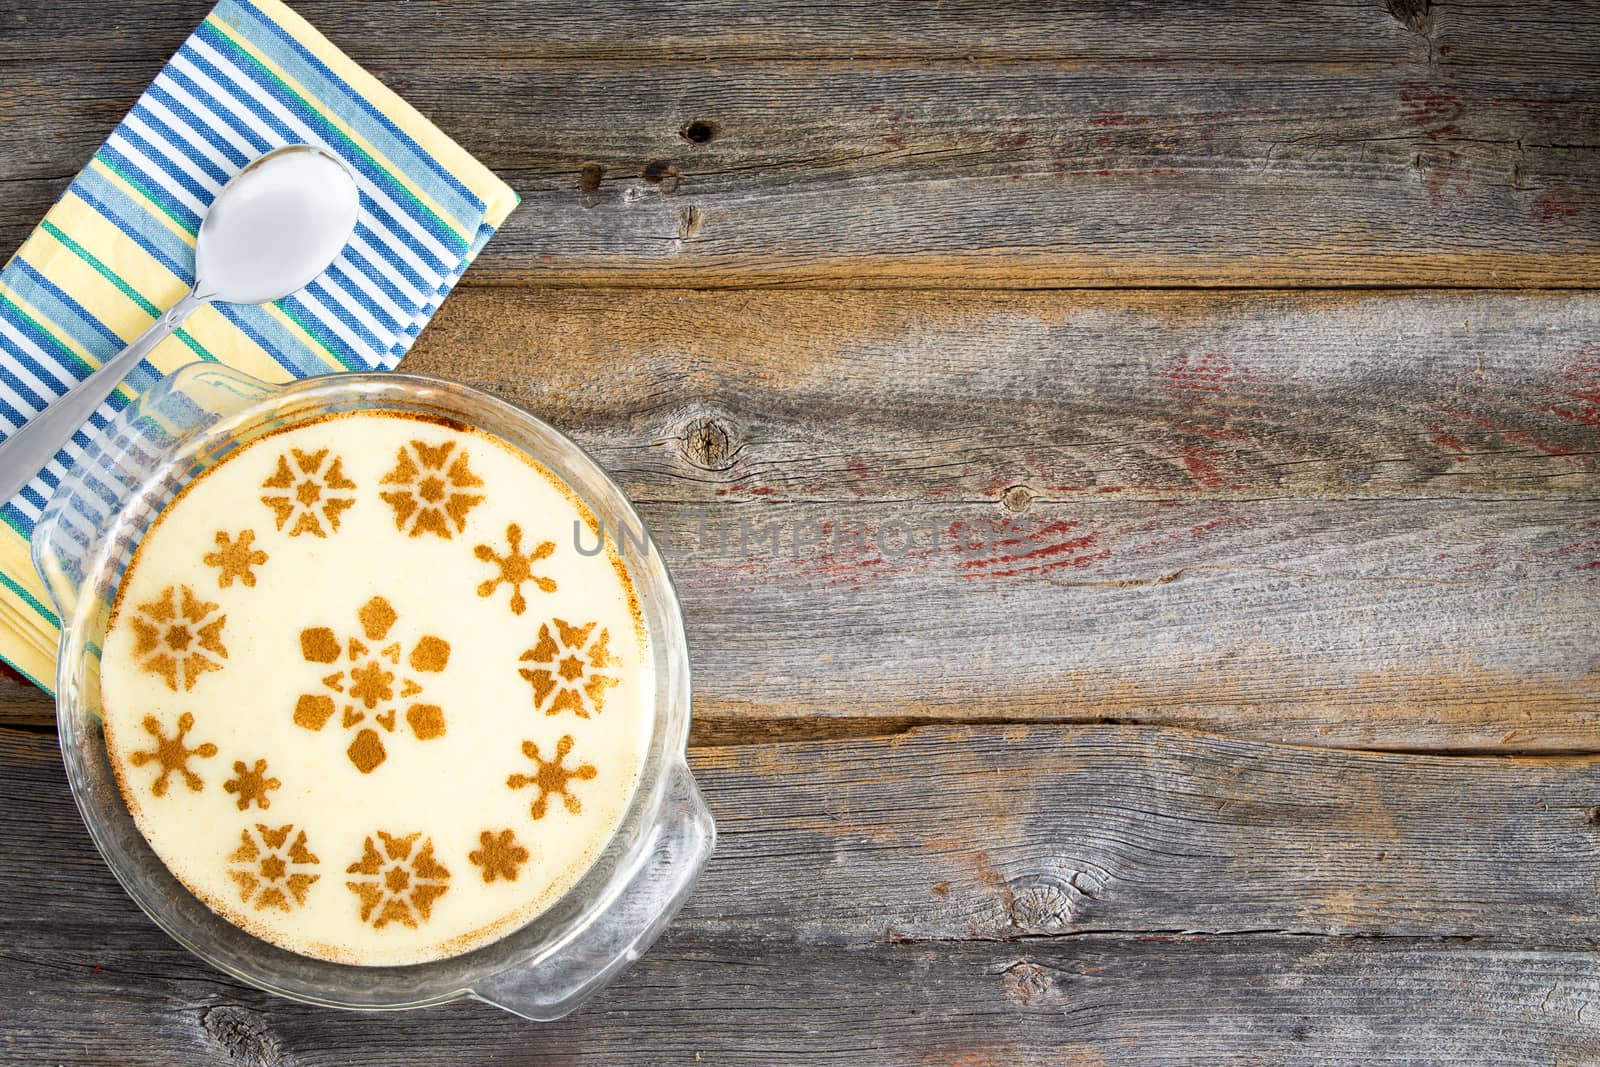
column 1357, row 522
column 1503, row 32
column 1139, row 169
column 992, row 894
column 1369, row 625
column 728, row 29
column 820, row 396
column 1379, row 625
column 1006, row 833
column 1086, row 1003
column 1285, row 574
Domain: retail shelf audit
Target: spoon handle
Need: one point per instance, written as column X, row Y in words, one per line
column 25, row 453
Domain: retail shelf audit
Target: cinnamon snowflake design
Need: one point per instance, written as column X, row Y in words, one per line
column 395, row 885
column 172, row 754
column 271, row 871
column 178, row 637
column 516, row 569
column 569, row 669
column 374, row 683
column 431, row 497
column 551, row 778
column 310, row 491
column 235, row 558
column 499, row 855
column 251, row 784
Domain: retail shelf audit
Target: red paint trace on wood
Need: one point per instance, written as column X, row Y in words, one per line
column 1552, row 206
column 1432, row 110
column 1204, row 467
column 1449, row 442
column 1041, row 551
column 1582, row 373
column 1117, row 118
column 1201, row 373
column 1510, row 433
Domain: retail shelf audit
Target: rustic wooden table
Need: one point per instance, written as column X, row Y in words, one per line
column 1132, row 474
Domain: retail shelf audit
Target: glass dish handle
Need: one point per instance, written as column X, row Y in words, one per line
column 554, row 985
column 122, row 460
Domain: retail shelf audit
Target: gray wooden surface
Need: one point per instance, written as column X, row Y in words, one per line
column 1235, row 370
column 1014, row 145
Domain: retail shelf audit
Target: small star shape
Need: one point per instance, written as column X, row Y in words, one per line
column 235, row 557
column 251, row 784
column 499, row 855
column 516, row 569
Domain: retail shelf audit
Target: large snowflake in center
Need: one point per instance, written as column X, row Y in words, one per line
column 376, row 679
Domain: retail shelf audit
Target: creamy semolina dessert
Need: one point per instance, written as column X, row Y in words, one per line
column 368, row 695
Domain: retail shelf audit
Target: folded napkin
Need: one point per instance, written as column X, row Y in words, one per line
column 118, row 248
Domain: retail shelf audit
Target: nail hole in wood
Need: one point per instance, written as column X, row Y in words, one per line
column 700, row 132
column 663, row 175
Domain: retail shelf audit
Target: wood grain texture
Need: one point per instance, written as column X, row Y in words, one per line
column 1261, row 529
column 728, row 29
column 1352, row 521
column 1083, row 1003
column 705, row 397
column 1007, row 895
column 1457, row 154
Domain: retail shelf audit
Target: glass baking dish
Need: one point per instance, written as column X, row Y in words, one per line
column 188, row 422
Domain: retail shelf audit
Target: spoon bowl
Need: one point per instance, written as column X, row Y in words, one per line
column 275, row 226
column 278, row 224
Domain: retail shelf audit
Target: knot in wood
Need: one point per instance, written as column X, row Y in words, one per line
column 1017, row 498
column 707, row 444
column 1028, row 983
column 243, row 1036
column 1044, row 904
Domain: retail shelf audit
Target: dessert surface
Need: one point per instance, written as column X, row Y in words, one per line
column 372, row 693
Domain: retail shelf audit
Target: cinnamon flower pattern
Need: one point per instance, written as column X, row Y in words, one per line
column 250, row 785
column 399, row 882
column 569, row 668
column 172, row 754
column 430, row 496
column 499, row 855
column 271, row 871
column 373, row 684
column 551, row 777
column 235, row 558
column 516, row 569
column 178, row 637
column 310, row 492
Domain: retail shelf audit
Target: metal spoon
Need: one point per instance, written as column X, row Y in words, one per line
column 271, row 230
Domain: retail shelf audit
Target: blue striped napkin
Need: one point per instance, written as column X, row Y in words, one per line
column 118, row 248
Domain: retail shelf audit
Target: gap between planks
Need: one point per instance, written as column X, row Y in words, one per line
column 38, row 718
